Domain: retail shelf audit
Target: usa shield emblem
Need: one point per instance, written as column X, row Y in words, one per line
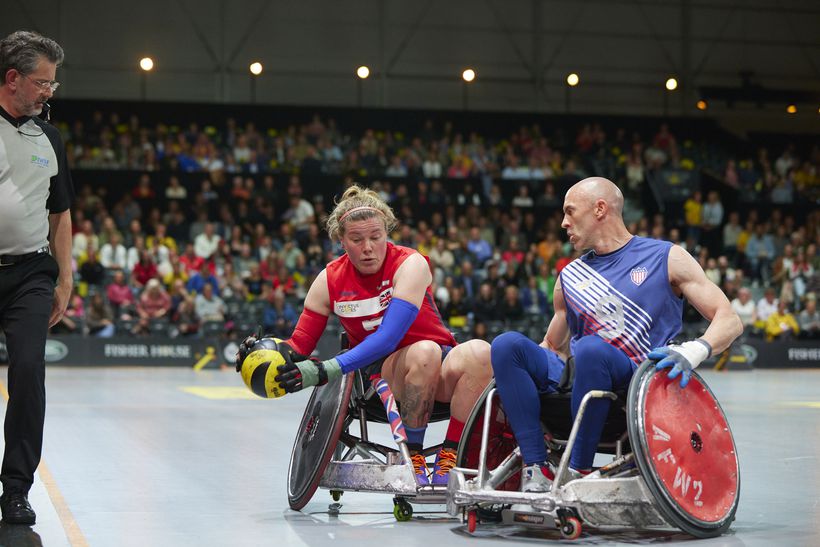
column 638, row 275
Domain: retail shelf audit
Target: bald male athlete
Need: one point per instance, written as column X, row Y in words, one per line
column 613, row 304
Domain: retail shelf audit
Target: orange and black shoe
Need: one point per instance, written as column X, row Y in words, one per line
column 420, row 467
column 445, row 461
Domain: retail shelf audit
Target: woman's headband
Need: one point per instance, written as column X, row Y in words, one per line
column 357, row 209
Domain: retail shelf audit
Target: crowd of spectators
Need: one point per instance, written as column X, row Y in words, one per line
column 240, row 247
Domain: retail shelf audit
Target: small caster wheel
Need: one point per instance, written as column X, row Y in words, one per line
column 336, row 494
column 402, row 510
column 571, row 528
column 472, row 520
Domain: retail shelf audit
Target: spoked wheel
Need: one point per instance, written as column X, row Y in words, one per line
column 501, row 442
column 684, row 450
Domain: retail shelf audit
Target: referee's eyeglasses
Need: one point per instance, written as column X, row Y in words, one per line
column 44, row 84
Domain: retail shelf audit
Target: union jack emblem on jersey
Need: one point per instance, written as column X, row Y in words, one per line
column 384, row 298
column 638, row 275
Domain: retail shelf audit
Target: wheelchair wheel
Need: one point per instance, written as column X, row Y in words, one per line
column 402, row 510
column 684, row 450
column 501, row 439
column 316, row 439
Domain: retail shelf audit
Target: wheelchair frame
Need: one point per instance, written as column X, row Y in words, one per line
column 339, row 461
column 635, row 490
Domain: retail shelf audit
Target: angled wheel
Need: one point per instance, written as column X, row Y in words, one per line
column 684, row 450
column 472, row 520
column 571, row 528
column 316, row 439
column 402, row 510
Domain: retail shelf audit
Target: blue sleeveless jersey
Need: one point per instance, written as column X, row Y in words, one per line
column 624, row 297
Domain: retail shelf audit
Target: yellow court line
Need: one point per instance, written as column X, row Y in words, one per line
column 72, row 530
column 807, row 404
column 219, row 392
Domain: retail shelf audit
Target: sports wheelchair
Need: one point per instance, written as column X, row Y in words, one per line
column 675, row 463
column 326, row 454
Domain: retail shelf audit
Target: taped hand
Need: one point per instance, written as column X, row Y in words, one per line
column 297, row 376
column 682, row 358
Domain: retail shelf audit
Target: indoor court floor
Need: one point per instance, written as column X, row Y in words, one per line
column 173, row 457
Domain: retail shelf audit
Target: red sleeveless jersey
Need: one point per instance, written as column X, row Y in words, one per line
column 359, row 301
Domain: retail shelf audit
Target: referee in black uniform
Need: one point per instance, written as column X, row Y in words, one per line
column 35, row 251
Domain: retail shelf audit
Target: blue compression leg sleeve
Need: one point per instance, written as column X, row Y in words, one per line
column 522, row 369
column 598, row 365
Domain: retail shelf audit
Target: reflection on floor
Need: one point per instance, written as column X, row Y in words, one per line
column 155, row 457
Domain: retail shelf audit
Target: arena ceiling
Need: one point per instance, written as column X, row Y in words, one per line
column 521, row 50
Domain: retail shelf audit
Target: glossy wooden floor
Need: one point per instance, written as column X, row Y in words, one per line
column 156, row 457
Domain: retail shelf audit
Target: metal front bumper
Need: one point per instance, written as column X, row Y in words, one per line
column 374, row 476
column 599, row 501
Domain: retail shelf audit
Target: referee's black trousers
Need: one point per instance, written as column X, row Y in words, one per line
column 26, row 294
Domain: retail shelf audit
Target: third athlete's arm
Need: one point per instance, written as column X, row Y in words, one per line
column 557, row 336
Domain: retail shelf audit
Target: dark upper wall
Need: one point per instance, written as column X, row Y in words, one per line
column 623, row 49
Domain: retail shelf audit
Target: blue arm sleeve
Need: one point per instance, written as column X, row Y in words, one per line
column 399, row 316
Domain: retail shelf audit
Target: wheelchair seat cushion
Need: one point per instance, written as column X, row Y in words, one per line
column 556, row 416
column 374, row 410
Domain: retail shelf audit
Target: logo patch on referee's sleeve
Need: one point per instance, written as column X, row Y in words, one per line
column 38, row 161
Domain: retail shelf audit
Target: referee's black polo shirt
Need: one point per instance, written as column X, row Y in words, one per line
column 34, row 181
